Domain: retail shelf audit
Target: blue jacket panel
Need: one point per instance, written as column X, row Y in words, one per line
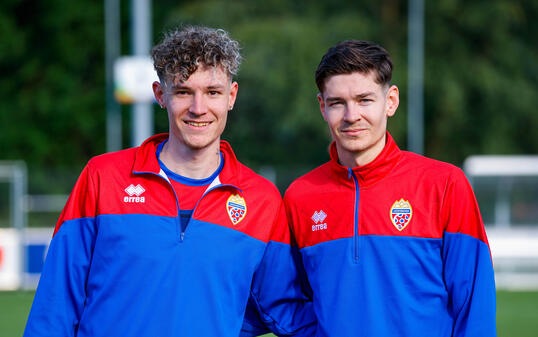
column 397, row 288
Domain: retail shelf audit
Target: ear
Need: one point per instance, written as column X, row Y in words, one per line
column 234, row 88
column 392, row 101
column 158, row 92
column 322, row 106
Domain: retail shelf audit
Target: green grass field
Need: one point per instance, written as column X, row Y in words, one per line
column 517, row 313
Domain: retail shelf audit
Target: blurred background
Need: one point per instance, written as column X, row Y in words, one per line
column 467, row 73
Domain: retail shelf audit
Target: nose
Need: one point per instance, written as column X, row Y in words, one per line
column 352, row 112
column 198, row 105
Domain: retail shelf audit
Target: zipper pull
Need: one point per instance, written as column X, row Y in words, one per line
column 182, row 236
column 350, row 172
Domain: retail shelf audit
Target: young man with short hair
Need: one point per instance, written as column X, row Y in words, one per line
column 392, row 242
column 173, row 237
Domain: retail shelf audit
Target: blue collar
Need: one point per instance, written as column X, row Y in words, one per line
column 184, row 180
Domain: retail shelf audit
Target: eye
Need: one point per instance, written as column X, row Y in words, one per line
column 181, row 92
column 365, row 101
column 335, row 103
column 213, row 92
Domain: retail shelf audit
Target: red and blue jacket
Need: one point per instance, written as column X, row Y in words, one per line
column 396, row 247
column 120, row 264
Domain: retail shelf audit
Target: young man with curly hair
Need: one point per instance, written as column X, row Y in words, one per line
column 392, row 242
column 174, row 237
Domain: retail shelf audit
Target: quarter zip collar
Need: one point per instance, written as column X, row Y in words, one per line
column 146, row 161
column 372, row 172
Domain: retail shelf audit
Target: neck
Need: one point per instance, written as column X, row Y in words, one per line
column 190, row 163
column 363, row 157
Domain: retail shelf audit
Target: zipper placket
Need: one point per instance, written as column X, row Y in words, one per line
column 178, row 228
column 182, row 232
column 356, row 218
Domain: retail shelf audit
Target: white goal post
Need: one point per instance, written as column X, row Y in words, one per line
column 11, row 252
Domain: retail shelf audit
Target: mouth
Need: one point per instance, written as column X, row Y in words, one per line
column 354, row 131
column 197, row 124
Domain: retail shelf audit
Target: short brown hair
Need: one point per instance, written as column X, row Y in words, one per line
column 354, row 56
column 182, row 51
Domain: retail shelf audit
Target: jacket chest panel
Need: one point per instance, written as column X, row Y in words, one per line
column 323, row 217
column 136, row 195
column 217, row 207
column 391, row 208
column 242, row 212
column 401, row 207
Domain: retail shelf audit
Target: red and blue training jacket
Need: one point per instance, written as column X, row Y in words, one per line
column 396, row 247
column 120, row 263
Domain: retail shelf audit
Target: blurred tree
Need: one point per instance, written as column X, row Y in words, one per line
column 482, row 78
column 480, row 87
column 51, row 91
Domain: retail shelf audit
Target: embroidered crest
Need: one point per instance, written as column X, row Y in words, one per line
column 400, row 214
column 236, row 207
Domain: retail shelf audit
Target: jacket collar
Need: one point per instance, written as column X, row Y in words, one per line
column 372, row 172
column 146, row 160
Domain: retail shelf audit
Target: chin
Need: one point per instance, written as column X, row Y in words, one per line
column 199, row 144
column 354, row 146
column 196, row 145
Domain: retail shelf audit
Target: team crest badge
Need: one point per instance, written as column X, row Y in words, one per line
column 237, row 208
column 400, row 214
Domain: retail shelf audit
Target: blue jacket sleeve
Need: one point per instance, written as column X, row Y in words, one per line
column 468, row 268
column 277, row 291
column 61, row 293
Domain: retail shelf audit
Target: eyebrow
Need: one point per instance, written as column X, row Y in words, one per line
column 333, row 99
column 364, row 95
column 215, row 86
column 210, row 87
column 358, row 96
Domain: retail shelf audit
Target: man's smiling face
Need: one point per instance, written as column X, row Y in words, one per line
column 356, row 109
column 198, row 107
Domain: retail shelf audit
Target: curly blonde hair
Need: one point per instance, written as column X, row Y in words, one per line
column 182, row 51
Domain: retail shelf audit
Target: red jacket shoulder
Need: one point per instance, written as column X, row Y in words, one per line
column 252, row 182
column 119, row 159
column 309, row 182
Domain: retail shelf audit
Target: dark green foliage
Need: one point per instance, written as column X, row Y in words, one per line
column 481, row 77
column 51, row 89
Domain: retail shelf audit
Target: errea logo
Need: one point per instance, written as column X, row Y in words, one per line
column 318, row 218
column 134, row 194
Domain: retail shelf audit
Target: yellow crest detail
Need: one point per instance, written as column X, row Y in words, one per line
column 401, row 213
column 236, row 207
